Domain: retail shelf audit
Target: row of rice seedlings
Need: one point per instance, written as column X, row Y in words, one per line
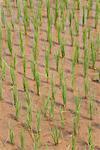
column 56, row 135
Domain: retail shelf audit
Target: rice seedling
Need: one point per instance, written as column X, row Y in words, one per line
column 90, row 138
column 83, row 16
column 84, row 36
column 89, row 32
column 76, row 54
column 86, row 62
column 1, row 90
column 46, row 106
column 31, row 3
column 70, row 19
column 66, row 3
column 76, row 26
column 38, row 121
column 78, row 4
column 62, row 117
column 24, row 66
column 57, row 58
column 11, row 136
column 39, row 12
column 86, row 86
column 97, row 13
column 49, row 32
column 3, row 71
column 13, row 75
column 22, row 140
column 62, row 77
column 56, row 134
column 33, row 68
column 0, row 46
column 21, row 43
column 73, row 76
column 17, row 109
column 48, row 8
column 59, row 30
column 3, row 18
column 37, row 78
column 35, row 46
column 9, row 40
column 18, row 9
column 91, row 107
column 28, row 97
column 25, row 17
column 29, row 116
column 52, row 89
column 51, row 109
column 93, row 54
column 47, row 53
column 62, row 46
column 56, row 12
column 71, row 34
column 64, row 93
column 36, row 141
column 15, row 94
column 73, row 142
column 25, row 84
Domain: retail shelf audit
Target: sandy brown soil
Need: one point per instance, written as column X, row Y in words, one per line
column 7, row 111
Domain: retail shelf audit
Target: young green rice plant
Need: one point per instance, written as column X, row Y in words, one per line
column 83, row 16
column 24, row 66
column 76, row 26
column 1, row 90
column 71, row 34
column 33, row 68
column 59, row 30
column 51, row 109
column 73, row 142
column 52, row 89
column 22, row 140
column 86, row 62
column 18, row 9
column 89, row 32
column 97, row 13
column 57, row 58
column 84, row 36
column 56, row 12
column 28, row 97
column 31, row 3
column 15, row 94
column 48, row 7
column 29, row 116
column 91, row 107
column 3, row 18
column 21, row 43
column 73, row 76
column 93, row 54
column 35, row 46
column 17, row 109
column 39, row 12
column 61, row 74
column 76, row 53
column 62, row 117
column 64, row 93
column 36, row 141
column 13, row 75
column 25, row 84
column 25, row 17
column 9, row 39
column 66, row 3
column 37, row 78
column 46, row 106
column 47, row 53
column 38, row 121
column 62, row 46
column 90, row 138
column 0, row 46
column 49, row 32
column 56, row 134
column 3, row 70
column 11, row 136
column 78, row 4
column 86, row 86
column 70, row 19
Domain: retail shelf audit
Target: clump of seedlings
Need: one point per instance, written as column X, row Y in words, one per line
column 38, row 120
column 11, row 136
column 29, row 116
column 37, row 78
column 90, row 138
column 57, row 59
column 17, row 109
column 9, row 39
column 56, row 135
column 91, row 107
column 22, row 140
column 47, row 63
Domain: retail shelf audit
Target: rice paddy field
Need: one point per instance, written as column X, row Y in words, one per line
column 49, row 74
